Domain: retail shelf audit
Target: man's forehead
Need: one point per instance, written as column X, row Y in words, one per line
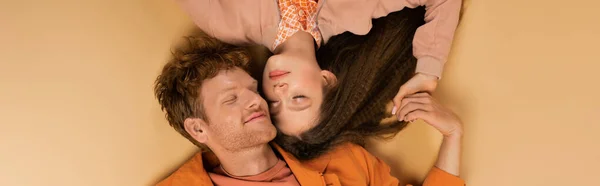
column 227, row 79
column 235, row 76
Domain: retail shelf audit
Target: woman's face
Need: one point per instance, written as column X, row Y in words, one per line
column 294, row 87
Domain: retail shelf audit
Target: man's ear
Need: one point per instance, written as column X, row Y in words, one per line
column 197, row 128
column 329, row 79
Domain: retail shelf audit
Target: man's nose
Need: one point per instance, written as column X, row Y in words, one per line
column 254, row 101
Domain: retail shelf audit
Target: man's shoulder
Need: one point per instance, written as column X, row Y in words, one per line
column 353, row 148
column 354, row 153
column 192, row 172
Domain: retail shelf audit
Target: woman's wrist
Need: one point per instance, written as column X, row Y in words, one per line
column 456, row 136
column 449, row 155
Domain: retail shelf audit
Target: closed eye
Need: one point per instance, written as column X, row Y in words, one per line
column 254, row 86
column 230, row 100
column 299, row 103
column 299, row 96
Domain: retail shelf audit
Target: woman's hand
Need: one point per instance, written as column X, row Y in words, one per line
column 423, row 106
column 418, row 83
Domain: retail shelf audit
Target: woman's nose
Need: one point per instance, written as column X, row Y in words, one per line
column 280, row 88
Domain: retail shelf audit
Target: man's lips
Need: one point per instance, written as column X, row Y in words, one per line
column 276, row 74
column 254, row 116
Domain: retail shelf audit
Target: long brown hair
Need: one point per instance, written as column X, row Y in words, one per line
column 370, row 69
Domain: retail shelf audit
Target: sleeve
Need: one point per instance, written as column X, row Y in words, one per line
column 438, row 177
column 378, row 171
column 233, row 22
column 432, row 41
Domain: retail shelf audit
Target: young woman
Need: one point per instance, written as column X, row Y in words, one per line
column 368, row 71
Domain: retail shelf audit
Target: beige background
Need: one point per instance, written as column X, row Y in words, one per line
column 76, row 103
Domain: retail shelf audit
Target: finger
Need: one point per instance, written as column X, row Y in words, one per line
column 406, row 101
column 419, row 95
column 418, row 114
column 409, row 108
column 398, row 98
column 422, row 100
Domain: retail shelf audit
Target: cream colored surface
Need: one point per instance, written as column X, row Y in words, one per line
column 76, row 100
column 524, row 77
column 76, row 103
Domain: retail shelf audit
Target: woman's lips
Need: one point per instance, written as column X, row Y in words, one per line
column 277, row 74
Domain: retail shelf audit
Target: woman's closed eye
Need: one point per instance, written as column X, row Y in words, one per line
column 299, row 97
column 299, row 102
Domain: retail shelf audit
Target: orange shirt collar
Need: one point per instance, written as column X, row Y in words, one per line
column 306, row 172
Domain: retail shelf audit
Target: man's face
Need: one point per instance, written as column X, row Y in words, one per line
column 238, row 117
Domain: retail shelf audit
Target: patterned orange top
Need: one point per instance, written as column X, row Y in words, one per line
column 297, row 15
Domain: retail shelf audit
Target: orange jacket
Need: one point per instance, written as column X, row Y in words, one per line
column 348, row 165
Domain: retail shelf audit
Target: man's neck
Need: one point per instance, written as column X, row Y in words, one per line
column 248, row 162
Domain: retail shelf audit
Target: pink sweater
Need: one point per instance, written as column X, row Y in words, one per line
column 255, row 22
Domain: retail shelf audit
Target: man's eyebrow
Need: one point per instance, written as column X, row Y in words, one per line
column 227, row 89
column 253, row 84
